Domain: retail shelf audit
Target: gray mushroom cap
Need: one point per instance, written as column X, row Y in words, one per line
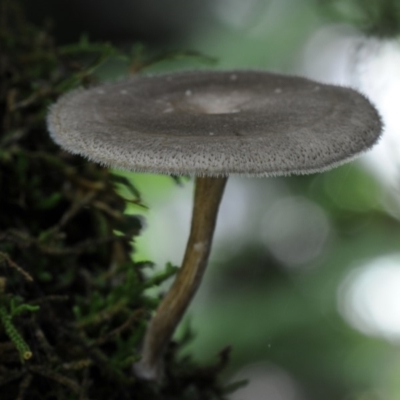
column 216, row 124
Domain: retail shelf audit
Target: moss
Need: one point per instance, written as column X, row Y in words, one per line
column 66, row 245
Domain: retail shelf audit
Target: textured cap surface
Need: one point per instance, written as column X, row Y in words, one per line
column 216, row 123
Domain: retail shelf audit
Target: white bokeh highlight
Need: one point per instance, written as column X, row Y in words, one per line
column 369, row 298
column 266, row 382
column 341, row 55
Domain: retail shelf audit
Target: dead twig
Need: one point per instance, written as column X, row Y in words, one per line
column 77, row 365
column 73, row 210
column 51, row 298
column 104, row 315
column 61, row 379
column 108, row 210
column 51, row 355
column 13, row 264
column 24, row 386
column 24, row 240
column 9, row 376
column 124, row 327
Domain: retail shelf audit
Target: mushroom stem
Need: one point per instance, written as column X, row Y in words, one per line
column 207, row 197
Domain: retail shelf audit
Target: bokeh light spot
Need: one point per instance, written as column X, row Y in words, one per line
column 369, row 298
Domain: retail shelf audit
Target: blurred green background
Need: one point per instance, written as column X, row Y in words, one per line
column 304, row 277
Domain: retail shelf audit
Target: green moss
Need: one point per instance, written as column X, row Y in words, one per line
column 72, row 297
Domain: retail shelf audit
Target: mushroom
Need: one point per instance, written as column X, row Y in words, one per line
column 210, row 125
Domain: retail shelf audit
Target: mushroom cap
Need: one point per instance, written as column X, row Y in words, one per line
column 216, row 123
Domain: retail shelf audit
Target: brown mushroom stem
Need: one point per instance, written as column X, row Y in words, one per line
column 207, row 197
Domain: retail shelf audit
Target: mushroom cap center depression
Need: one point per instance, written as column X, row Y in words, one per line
column 210, row 103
